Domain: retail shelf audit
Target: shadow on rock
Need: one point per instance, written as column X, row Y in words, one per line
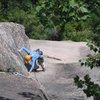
column 30, row 96
column 4, row 98
column 28, row 66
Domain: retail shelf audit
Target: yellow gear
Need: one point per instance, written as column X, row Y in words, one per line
column 27, row 57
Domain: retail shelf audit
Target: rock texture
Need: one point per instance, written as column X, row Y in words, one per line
column 58, row 77
column 12, row 86
column 12, row 38
column 19, row 88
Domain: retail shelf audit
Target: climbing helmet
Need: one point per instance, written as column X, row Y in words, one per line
column 27, row 57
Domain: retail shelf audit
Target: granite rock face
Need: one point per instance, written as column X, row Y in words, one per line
column 14, row 87
column 12, row 38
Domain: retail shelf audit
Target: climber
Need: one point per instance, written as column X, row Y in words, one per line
column 36, row 58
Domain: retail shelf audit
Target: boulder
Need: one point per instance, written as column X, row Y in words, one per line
column 12, row 38
column 14, row 87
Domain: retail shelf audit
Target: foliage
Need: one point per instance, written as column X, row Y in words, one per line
column 55, row 14
column 91, row 61
column 89, row 87
column 51, row 19
column 76, row 31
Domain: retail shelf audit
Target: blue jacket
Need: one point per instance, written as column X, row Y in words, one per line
column 35, row 55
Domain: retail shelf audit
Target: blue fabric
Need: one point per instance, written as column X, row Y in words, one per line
column 35, row 55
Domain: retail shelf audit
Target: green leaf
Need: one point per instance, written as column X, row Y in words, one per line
column 38, row 8
column 76, row 79
column 85, row 17
column 84, row 10
column 87, row 78
column 71, row 14
column 64, row 9
column 82, row 63
column 80, row 84
column 72, row 3
column 87, row 92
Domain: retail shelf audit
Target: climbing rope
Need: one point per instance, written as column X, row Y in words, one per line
column 20, row 74
column 52, row 57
